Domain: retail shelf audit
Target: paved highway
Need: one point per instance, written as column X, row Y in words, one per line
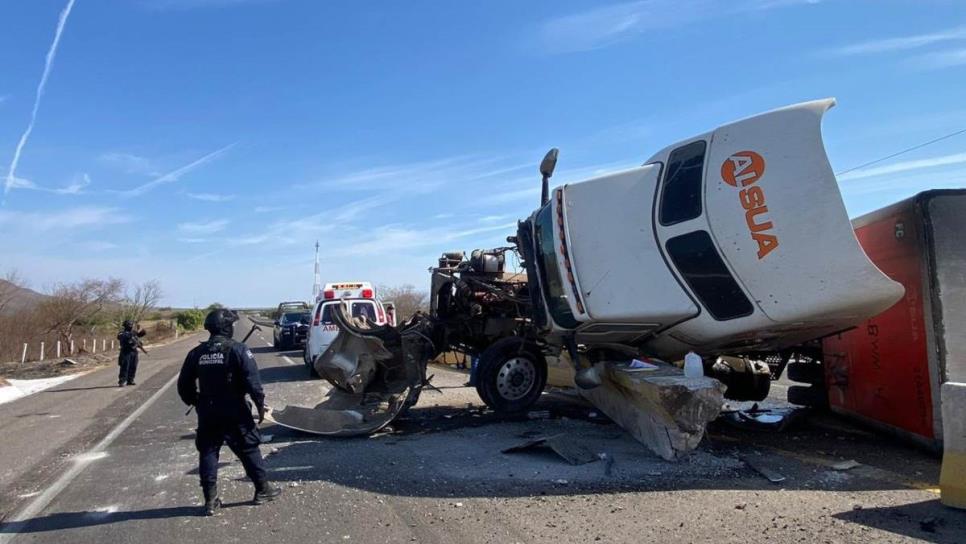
column 90, row 462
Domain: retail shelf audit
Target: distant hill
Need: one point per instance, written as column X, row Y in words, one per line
column 21, row 298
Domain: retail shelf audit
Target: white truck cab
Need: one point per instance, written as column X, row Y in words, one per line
column 360, row 301
column 732, row 241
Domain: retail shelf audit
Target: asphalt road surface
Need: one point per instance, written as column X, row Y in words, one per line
column 90, row 462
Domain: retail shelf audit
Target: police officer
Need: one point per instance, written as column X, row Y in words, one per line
column 127, row 358
column 225, row 371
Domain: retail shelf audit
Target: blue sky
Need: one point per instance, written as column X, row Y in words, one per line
column 209, row 143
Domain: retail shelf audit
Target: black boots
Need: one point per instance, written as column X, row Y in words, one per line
column 212, row 500
column 265, row 492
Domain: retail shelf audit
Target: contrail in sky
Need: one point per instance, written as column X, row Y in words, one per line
column 51, row 53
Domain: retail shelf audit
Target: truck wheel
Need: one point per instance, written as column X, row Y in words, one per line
column 510, row 375
column 810, row 373
column 814, row 396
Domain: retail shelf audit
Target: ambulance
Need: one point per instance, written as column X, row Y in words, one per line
column 360, row 300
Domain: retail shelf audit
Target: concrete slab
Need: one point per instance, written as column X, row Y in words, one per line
column 662, row 409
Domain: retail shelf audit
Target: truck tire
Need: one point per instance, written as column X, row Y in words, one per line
column 810, row 373
column 749, row 386
column 814, row 396
column 510, row 375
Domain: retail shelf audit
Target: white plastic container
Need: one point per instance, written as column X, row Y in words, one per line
column 693, row 367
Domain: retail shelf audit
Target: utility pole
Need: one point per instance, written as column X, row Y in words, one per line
column 317, row 286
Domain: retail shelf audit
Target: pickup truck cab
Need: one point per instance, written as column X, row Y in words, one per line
column 734, row 241
column 291, row 329
column 360, row 301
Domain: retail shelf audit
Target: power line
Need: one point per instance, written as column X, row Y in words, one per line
column 896, row 154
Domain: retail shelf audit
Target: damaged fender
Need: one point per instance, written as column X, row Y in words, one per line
column 375, row 373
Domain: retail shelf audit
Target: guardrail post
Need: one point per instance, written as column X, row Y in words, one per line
column 58, row 349
column 84, row 344
column 103, row 345
column 94, row 346
column 23, row 356
column 71, row 348
column 41, row 351
column 112, row 345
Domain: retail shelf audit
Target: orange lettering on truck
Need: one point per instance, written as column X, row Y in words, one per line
column 742, row 170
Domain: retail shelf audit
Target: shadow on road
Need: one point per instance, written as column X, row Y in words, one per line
column 929, row 520
column 287, row 373
column 74, row 520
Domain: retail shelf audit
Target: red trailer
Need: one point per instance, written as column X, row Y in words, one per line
column 888, row 371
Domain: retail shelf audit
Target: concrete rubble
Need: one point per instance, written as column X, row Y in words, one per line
column 661, row 409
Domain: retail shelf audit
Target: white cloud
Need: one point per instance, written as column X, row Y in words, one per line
column 98, row 245
column 204, row 227
column 41, row 86
column 604, row 26
column 165, row 5
column 901, row 43
column 906, row 166
column 129, row 163
column 939, row 59
column 75, row 187
column 193, row 240
column 74, row 218
column 210, row 197
column 268, row 209
column 177, row 173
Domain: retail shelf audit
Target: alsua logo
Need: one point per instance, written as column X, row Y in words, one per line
column 743, row 170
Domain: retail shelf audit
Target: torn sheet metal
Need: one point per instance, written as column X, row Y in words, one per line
column 566, row 447
column 377, row 373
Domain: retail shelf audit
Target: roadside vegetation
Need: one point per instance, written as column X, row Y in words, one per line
column 82, row 312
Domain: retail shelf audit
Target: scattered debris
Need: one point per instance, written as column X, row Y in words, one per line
column 539, row 414
column 764, row 419
column 561, row 481
column 267, row 438
column 846, row 465
column 69, row 362
column 571, row 451
column 756, row 465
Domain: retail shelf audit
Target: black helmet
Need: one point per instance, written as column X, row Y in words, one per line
column 221, row 321
column 128, row 325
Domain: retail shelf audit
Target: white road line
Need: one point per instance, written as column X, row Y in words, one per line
column 289, row 361
column 19, row 520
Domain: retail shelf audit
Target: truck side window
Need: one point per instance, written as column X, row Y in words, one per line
column 681, row 197
column 695, row 257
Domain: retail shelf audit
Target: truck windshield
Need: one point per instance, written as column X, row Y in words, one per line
column 550, row 279
column 295, row 317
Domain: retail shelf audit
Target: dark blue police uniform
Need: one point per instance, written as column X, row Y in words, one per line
column 215, row 378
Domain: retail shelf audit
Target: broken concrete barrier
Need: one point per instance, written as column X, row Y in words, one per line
column 952, row 479
column 662, row 409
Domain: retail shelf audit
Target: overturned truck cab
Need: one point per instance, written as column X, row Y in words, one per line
column 734, row 244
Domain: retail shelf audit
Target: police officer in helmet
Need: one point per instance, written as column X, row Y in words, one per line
column 127, row 357
column 215, row 378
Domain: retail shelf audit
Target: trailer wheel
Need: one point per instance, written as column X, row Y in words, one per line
column 810, row 373
column 511, row 375
column 814, row 396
